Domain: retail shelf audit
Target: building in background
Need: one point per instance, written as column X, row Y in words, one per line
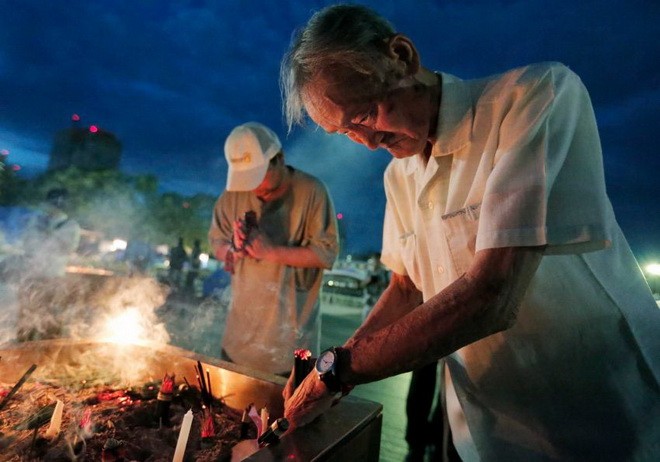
column 87, row 148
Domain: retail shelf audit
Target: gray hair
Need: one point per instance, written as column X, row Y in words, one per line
column 349, row 36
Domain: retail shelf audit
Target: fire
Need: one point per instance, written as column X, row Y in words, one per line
column 125, row 328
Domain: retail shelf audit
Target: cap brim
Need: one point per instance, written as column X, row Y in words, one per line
column 246, row 180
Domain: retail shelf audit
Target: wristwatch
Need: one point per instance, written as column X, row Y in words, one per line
column 327, row 366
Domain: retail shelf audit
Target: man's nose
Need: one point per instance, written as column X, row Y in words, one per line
column 368, row 138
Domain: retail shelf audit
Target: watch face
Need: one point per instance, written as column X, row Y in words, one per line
column 326, row 361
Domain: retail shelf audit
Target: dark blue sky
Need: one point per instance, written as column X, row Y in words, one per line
column 171, row 79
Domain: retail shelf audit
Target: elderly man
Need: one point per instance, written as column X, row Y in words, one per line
column 506, row 256
column 277, row 260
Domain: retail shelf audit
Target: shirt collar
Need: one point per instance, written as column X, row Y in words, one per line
column 454, row 121
column 455, row 117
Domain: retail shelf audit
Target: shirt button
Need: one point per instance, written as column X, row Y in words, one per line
column 441, row 269
column 430, row 205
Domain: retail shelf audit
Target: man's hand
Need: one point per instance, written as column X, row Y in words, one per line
column 310, row 400
column 239, row 238
column 258, row 246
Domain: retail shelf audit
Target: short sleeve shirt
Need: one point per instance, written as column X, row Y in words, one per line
column 274, row 307
column 518, row 163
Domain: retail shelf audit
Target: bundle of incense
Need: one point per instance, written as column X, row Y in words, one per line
column 207, row 427
column 245, row 421
column 164, row 399
column 204, row 385
column 18, row 385
column 302, row 365
column 273, row 433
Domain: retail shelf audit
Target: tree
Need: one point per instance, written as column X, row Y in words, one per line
column 121, row 206
column 11, row 185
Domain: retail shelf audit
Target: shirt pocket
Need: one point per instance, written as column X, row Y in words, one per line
column 409, row 256
column 461, row 228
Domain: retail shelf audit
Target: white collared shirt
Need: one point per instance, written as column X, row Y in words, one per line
column 518, row 163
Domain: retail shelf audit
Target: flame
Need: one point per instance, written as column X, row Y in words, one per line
column 125, row 328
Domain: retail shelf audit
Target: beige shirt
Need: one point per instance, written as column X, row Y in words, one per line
column 518, row 163
column 275, row 307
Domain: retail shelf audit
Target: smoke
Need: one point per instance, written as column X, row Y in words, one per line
column 8, row 313
column 198, row 327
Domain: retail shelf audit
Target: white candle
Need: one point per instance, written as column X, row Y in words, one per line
column 264, row 420
column 183, row 437
column 55, row 420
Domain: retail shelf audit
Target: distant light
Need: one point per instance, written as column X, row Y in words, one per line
column 4, row 152
column 15, row 167
column 93, row 128
column 119, row 244
column 186, row 205
column 653, row 269
column 340, row 216
column 204, row 260
column 75, row 117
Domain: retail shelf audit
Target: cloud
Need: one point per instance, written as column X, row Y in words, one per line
column 171, row 79
column 354, row 176
column 32, row 155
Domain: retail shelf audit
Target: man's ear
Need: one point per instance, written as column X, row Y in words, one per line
column 402, row 50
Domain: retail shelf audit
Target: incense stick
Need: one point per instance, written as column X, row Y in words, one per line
column 18, row 385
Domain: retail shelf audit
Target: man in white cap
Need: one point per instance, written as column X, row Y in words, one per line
column 278, row 261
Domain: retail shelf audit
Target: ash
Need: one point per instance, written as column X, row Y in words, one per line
column 93, row 415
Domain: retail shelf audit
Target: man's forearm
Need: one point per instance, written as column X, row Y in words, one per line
column 398, row 299
column 478, row 304
column 301, row 257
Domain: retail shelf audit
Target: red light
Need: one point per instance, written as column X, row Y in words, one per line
column 4, row 152
column 186, row 205
column 75, row 117
column 93, row 128
column 340, row 216
column 15, row 167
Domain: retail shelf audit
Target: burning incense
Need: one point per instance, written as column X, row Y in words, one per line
column 208, row 381
column 18, row 385
column 205, row 389
column 302, row 365
column 272, row 435
column 55, row 420
column 164, row 399
column 207, row 427
column 183, row 437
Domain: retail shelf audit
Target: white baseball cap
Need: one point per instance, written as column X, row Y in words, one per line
column 248, row 149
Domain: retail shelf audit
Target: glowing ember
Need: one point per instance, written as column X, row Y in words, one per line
column 85, row 425
column 207, row 428
column 167, row 387
column 302, row 353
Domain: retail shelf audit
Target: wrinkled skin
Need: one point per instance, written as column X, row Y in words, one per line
column 307, row 402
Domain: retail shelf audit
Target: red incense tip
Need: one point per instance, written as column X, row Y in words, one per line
column 302, row 353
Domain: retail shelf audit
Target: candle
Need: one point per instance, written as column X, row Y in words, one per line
column 183, row 437
column 264, row 420
column 55, row 420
